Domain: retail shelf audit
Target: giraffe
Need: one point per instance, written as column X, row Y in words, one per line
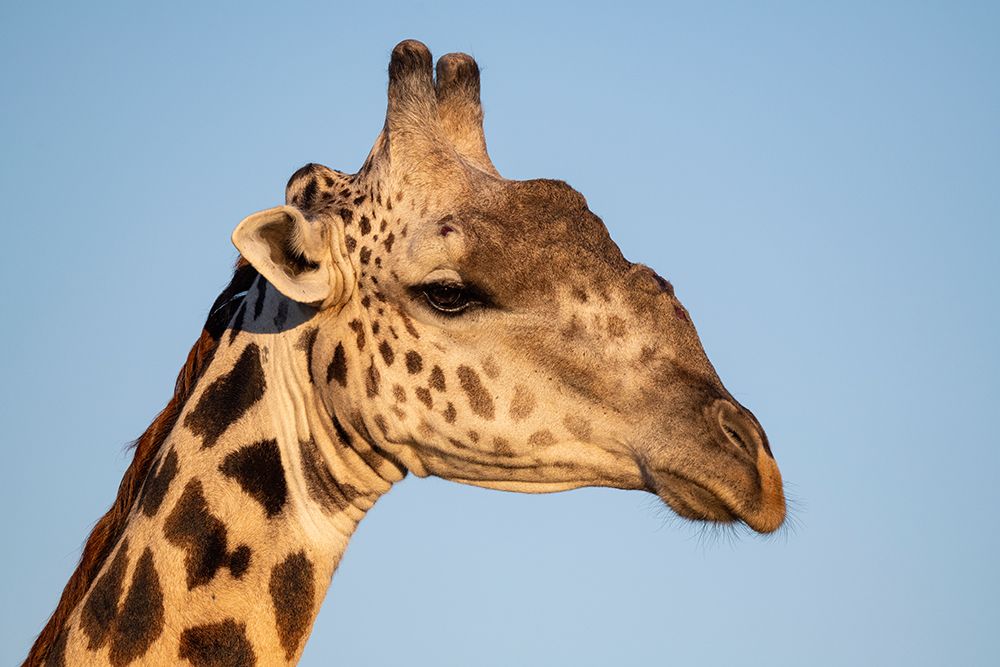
column 423, row 315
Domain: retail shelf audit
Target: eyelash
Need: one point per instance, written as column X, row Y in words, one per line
column 449, row 298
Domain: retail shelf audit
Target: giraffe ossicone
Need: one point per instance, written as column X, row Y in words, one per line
column 422, row 315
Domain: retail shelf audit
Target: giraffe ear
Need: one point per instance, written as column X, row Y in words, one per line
column 306, row 261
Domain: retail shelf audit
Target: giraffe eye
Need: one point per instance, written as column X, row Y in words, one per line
column 448, row 298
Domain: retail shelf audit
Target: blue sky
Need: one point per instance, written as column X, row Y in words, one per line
column 820, row 183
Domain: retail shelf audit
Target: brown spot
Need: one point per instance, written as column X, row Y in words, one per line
column 578, row 427
column 228, row 397
column 324, row 488
column 414, row 362
column 490, row 368
column 580, row 295
column 365, row 224
column 408, row 323
column 398, row 412
column 479, row 400
column 351, row 243
column 474, row 436
column 359, row 332
column 293, row 593
column 101, row 607
column 192, row 527
column 337, row 370
column 616, row 326
column 647, row 354
column 523, row 403
column 574, row 329
column 399, row 393
column 258, row 470
column 436, row 380
column 388, row 356
column 541, row 438
column 365, row 255
column 307, row 343
column 449, row 413
column 389, row 240
column 380, row 424
column 372, row 381
column 157, row 484
column 222, row 644
column 502, row 447
column 140, row 622
column 424, row 396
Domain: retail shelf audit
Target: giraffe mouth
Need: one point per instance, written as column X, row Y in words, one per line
column 690, row 499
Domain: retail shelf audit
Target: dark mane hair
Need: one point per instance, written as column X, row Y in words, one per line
column 110, row 527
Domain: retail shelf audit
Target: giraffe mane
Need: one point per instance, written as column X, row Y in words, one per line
column 109, row 528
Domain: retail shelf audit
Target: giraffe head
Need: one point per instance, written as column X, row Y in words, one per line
column 489, row 331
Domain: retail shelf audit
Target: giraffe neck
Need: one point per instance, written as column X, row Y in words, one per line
column 243, row 517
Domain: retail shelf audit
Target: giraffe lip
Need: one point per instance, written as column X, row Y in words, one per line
column 691, row 499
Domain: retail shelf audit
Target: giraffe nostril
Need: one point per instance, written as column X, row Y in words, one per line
column 738, row 429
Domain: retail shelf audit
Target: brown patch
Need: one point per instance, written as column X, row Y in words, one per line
column 337, row 370
column 293, row 593
column 388, row 241
column 414, row 362
column 616, row 326
column 474, row 436
column 436, row 380
column 365, row 255
column 228, row 398
column 359, row 332
column 101, row 607
column 502, row 447
column 399, row 393
column 258, row 470
column 490, row 368
column 449, row 413
column 307, row 343
column 372, row 381
column 388, row 356
column 192, row 527
column 381, row 425
column 541, row 438
column 580, row 295
column 646, row 355
column 157, row 484
column 523, row 403
column 222, row 644
column 140, row 622
column 578, row 427
column 479, row 400
column 424, row 396
column 574, row 329
column 324, row 488
column 408, row 323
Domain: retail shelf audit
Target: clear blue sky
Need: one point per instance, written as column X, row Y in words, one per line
column 821, row 184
